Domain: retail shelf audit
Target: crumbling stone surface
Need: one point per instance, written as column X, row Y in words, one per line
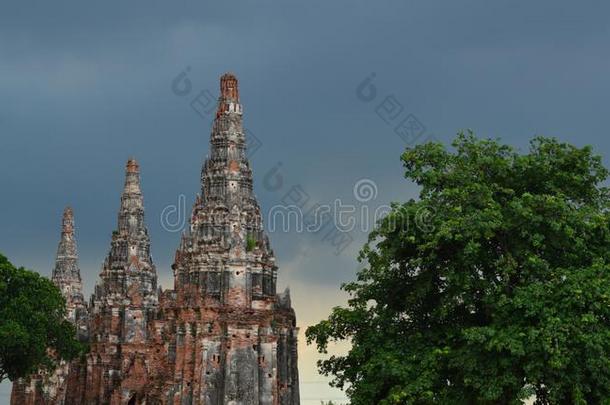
column 222, row 335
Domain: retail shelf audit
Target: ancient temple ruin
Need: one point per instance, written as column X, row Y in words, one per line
column 222, row 335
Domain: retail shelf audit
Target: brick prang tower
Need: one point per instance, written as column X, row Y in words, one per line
column 225, row 277
column 222, row 335
column 123, row 305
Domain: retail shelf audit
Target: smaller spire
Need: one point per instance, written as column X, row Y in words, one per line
column 66, row 251
column 129, row 258
column 66, row 274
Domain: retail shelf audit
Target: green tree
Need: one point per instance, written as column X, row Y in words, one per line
column 490, row 288
column 34, row 333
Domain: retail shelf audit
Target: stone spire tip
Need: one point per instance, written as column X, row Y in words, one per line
column 228, row 86
column 132, row 177
column 68, row 221
column 132, row 166
column 68, row 213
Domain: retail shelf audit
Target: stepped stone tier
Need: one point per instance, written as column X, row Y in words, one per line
column 221, row 336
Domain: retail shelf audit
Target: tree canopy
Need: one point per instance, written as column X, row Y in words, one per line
column 34, row 332
column 503, row 293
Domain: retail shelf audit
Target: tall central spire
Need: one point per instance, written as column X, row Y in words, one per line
column 226, row 174
column 225, row 272
column 226, row 219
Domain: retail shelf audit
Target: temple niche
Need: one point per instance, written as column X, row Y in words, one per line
column 222, row 335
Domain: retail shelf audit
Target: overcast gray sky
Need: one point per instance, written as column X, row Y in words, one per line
column 86, row 85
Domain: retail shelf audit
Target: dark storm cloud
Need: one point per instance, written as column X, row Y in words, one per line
column 85, row 86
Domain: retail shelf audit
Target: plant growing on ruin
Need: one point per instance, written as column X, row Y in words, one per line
column 34, row 333
column 502, row 295
column 250, row 243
